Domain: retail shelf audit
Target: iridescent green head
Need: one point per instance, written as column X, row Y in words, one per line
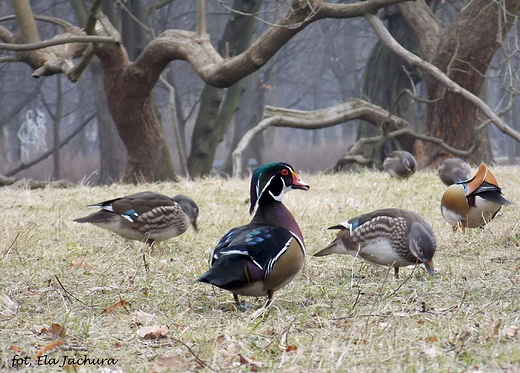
column 272, row 180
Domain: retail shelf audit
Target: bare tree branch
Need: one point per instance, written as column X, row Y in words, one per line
column 58, row 41
column 223, row 72
column 27, row 31
column 413, row 60
column 352, row 109
column 391, row 126
column 178, row 139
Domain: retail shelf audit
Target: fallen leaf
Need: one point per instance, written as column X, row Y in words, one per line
column 169, row 363
column 56, row 331
column 510, row 332
column 431, row 339
column 48, row 347
column 154, row 332
column 113, row 307
column 10, row 307
column 291, row 348
column 15, row 349
column 141, row 318
column 81, row 264
column 253, row 363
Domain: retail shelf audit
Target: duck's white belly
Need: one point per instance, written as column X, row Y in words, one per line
column 452, row 217
column 380, row 251
column 482, row 213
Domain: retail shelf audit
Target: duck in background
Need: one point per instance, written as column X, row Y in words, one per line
column 390, row 236
column 400, row 164
column 473, row 203
column 146, row 216
column 452, row 170
column 263, row 256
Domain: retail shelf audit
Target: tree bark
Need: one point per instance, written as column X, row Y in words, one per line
column 214, row 115
column 383, row 81
column 112, row 152
column 464, row 54
column 250, row 113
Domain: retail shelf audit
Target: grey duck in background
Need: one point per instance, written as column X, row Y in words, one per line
column 400, row 164
column 452, row 170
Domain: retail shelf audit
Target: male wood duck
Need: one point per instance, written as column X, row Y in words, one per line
column 452, row 170
column 400, row 164
column 263, row 256
column 390, row 236
column 146, row 216
column 473, row 203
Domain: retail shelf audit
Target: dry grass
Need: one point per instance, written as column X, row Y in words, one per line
column 339, row 314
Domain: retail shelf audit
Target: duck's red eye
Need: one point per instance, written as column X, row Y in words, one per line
column 285, row 172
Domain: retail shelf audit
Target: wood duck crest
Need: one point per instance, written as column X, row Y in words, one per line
column 263, row 256
column 388, row 237
column 145, row 216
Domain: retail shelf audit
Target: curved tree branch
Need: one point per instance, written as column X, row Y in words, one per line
column 352, row 109
column 224, row 72
column 58, row 41
column 413, row 60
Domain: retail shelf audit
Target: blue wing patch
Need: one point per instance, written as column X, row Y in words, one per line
column 261, row 244
column 130, row 215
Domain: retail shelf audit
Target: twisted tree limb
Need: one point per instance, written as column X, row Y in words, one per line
column 413, row 60
column 391, row 126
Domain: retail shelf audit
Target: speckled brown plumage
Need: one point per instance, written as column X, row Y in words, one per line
column 145, row 216
column 388, row 237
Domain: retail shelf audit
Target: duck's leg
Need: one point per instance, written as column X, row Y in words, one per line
column 270, row 295
column 396, row 272
column 263, row 312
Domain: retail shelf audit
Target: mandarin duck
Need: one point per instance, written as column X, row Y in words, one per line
column 265, row 255
column 452, row 170
column 400, row 164
column 146, row 216
column 473, row 203
column 390, row 236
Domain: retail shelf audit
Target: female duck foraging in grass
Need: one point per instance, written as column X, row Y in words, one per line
column 146, row 216
column 263, row 256
column 393, row 237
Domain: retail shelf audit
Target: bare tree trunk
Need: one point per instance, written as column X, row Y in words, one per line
column 56, row 130
column 465, row 51
column 212, row 123
column 383, row 80
column 250, row 113
column 112, row 152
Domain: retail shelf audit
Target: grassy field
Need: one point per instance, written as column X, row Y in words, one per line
column 59, row 278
